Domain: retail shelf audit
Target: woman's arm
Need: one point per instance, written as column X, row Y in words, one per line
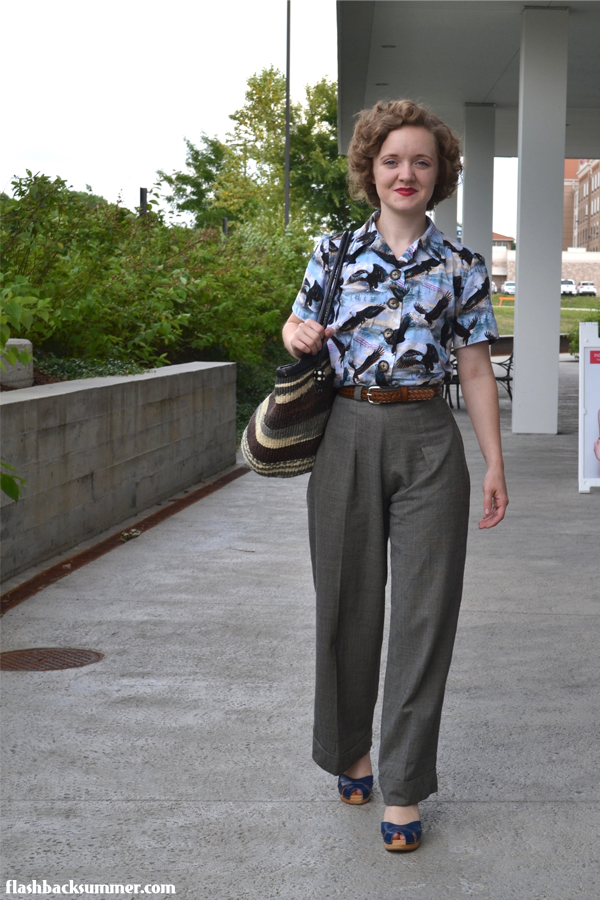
column 481, row 396
column 300, row 337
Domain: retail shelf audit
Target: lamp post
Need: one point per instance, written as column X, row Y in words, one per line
column 287, row 121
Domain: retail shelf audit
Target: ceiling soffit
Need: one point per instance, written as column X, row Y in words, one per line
column 446, row 54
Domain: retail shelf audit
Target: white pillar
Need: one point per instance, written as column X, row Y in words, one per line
column 446, row 216
column 478, row 186
column 542, row 114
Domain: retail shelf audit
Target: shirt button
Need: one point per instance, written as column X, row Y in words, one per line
column 395, row 274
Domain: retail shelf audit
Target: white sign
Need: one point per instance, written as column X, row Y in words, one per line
column 589, row 406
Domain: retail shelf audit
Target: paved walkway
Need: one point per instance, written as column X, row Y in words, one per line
column 184, row 757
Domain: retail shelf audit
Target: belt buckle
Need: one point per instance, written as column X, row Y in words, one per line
column 373, row 387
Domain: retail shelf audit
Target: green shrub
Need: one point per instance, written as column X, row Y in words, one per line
column 574, row 333
column 21, row 310
column 71, row 368
column 118, row 286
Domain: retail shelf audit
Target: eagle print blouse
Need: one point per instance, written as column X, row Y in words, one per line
column 396, row 321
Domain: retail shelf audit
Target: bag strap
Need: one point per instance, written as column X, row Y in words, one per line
column 333, row 280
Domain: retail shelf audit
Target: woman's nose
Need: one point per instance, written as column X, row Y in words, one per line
column 405, row 172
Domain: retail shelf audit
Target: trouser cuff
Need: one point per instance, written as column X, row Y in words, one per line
column 337, row 763
column 405, row 793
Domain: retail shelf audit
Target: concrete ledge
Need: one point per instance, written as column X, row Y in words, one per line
column 99, row 450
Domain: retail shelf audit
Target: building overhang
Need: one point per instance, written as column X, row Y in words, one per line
column 447, row 54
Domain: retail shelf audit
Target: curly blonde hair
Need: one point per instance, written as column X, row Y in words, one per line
column 371, row 130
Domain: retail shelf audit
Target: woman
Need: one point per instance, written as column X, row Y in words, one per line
column 391, row 465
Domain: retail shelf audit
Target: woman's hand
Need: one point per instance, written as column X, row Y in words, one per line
column 481, row 395
column 495, row 498
column 301, row 337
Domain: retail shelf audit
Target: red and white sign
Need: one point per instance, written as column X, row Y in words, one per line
column 595, row 356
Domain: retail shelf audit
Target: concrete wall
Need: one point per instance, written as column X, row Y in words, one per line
column 95, row 452
column 581, row 266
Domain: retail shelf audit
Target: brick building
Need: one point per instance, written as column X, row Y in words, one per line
column 502, row 240
column 581, row 224
column 587, row 205
column 570, row 185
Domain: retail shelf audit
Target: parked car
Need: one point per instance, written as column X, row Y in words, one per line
column 586, row 287
column 494, row 287
column 508, row 287
column 568, row 286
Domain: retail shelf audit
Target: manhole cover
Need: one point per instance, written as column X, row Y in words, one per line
column 44, row 659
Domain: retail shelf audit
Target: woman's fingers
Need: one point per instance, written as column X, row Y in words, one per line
column 308, row 337
column 303, row 344
column 494, row 515
column 495, row 501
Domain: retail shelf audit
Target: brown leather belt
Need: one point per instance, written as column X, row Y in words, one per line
column 403, row 394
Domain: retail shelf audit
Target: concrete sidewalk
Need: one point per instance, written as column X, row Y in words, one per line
column 184, row 756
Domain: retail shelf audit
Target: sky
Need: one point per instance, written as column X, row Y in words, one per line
column 104, row 94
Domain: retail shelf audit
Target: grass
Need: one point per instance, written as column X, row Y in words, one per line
column 580, row 302
column 569, row 317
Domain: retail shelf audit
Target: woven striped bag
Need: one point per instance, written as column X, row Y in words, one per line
column 283, row 435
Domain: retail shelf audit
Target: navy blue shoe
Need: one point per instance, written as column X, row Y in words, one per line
column 346, row 785
column 410, row 832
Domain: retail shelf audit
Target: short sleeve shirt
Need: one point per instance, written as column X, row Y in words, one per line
column 397, row 321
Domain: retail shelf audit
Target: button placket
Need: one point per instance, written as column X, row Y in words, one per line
column 398, row 291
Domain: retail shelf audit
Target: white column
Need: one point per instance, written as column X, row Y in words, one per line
column 478, row 186
column 542, row 114
column 446, row 217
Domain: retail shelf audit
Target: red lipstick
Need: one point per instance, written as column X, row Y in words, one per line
column 406, row 192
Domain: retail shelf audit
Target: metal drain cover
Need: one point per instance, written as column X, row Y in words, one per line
column 44, row 659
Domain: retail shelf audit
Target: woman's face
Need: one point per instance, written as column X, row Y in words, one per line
column 405, row 171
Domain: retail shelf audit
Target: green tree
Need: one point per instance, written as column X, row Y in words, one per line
column 318, row 172
column 241, row 178
column 193, row 191
column 246, row 181
column 251, row 182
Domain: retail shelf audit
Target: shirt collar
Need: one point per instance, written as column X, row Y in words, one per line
column 368, row 237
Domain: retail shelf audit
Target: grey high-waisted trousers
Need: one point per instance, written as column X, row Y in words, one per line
column 392, row 472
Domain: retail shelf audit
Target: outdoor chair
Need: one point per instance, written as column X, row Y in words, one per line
column 453, row 380
column 505, row 379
